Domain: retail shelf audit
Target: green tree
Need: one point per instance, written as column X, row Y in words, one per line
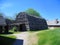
column 32, row 12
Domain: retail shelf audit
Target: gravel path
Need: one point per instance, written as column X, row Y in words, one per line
column 25, row 38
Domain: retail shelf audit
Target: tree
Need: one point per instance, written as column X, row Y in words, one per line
column 32, row 12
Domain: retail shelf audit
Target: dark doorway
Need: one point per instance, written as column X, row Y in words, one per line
column 1, row 29
column 22, row 27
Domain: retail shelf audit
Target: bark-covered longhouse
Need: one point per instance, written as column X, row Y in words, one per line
column 25, row 22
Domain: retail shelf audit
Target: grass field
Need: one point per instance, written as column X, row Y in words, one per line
column 45, row 37
column 49, row 37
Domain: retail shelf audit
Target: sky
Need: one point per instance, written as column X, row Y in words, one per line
column 48, row 9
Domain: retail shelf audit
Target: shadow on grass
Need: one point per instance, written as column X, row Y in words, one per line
column 10, row 41
column 6, row 40
column 7, row 33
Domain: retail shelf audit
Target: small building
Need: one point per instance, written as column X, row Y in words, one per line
column 53, row 23
column 24, row 22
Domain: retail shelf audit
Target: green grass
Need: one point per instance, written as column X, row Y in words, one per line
column 51, row 37
column 12, row 31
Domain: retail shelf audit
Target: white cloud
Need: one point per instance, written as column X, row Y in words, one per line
column 6, row 5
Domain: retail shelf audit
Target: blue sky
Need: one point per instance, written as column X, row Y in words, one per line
column 49, row 9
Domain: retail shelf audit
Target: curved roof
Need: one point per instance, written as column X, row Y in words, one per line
column 24, row 13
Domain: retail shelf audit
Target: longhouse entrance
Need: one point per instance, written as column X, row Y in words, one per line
column 22, row 27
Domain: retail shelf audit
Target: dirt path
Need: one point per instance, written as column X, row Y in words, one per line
column 26, row 38
column 33, row 39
